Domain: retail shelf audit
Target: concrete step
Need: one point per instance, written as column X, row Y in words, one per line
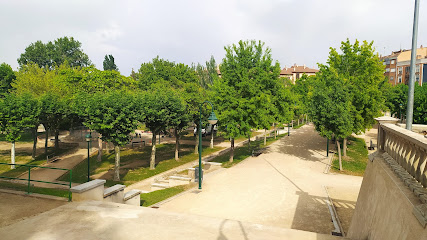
column 158, row 186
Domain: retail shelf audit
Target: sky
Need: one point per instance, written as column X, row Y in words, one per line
column 191, row 31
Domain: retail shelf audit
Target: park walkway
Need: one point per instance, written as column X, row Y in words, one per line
column 284, row 187
column 66, row 161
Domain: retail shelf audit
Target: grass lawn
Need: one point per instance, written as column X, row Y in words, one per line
column 243, row 152
column 356, row 160
column 45, row 191
column 26, row 137
column 148, row 199
column 23, row 158
column 135, row 163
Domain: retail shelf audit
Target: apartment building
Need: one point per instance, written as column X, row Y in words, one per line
column 296, row 72
column 398, row 66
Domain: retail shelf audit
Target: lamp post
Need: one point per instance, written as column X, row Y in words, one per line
column 88, row 138
column 212, row 120
column 400, row 112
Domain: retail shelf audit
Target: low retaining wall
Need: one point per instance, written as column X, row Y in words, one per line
column 385, row 206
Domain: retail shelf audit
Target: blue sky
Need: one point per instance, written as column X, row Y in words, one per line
column 190, row 31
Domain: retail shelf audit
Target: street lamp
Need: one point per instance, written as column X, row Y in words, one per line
column 400, row 112
column 88, row 138
column 212, row 120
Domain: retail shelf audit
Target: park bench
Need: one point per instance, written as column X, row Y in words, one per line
column 138, row 142
column 257, row 151
column 52, row 158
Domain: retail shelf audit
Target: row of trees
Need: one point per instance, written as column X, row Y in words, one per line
column 161, row 94
column 347, row 93
column 343, row 98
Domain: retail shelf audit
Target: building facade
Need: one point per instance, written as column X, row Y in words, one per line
column 397, row 66
column 296, row 72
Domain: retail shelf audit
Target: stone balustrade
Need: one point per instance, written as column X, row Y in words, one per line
column 407, row 148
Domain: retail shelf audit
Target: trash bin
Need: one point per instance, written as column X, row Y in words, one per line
column 196, row 174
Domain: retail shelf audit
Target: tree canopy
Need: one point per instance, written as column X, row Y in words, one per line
column 109, row 63
column 55, row 53
column 7, row 76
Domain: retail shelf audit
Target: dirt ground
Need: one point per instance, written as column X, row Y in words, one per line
column 14, row 208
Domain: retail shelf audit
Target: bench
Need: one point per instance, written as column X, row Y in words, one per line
column 212, row 165
column 52, row 158
column 178, row 180
column 158, row 186
column 258, row 151
column 138, row 142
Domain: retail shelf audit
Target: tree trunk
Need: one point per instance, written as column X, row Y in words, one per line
column 33, row 155
column 306, row 118
column 12, row 155
column 46, row 141
column 344, row 147
column 176, row 145
column 99, row 159
column 249, row 141
column 196, row 146
column 117, row 164
column 107, row 147
column 339, row 154
column 275, row 131
column 212, row 133
column 265, row 137
column 232, row 150
column 153, row 152
column 298, row 121
column 56, row 140
column 292, row 123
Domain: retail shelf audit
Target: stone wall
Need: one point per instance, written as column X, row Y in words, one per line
column 385, row 206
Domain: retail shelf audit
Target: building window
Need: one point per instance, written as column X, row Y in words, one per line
column 387, row 70
column 391, row 78
column 400, row 70
column 393, row 70
column 417, row 68
column 399, row 79
column 417, row 78
column 393, row 61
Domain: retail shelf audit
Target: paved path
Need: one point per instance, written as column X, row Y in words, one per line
column 67, row 161
column 282, row 188
column 103, row 220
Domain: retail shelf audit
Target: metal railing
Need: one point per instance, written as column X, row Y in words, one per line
column 29, row 180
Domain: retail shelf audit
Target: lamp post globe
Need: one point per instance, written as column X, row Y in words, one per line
column 212, row 120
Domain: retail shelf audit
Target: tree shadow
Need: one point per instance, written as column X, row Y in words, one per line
column 303, row 145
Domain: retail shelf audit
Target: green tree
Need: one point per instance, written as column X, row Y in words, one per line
column 54, row 54
column 207, row 74
column 7, row 76
column 363, row 71
column 162, row 109
column 420, row 104
column 16, row 114
column 113, row 114
column 249, row 92
column 178, row 76
column 331, row 108
column 109, row 63
column 54, row 109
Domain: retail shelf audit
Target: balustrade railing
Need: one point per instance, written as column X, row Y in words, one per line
column 407, row 148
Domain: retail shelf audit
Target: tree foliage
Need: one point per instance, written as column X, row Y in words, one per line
column 363, row 71
column 249, row 93
column 113, row 114
column 109, row 63
column 7, row 76
column 55, row 53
